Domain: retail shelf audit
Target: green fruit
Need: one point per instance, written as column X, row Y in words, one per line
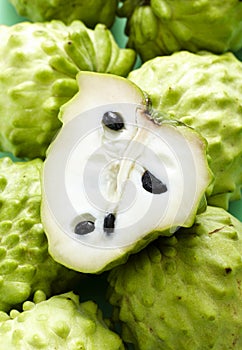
column 39, row 63
column 61, row 322
column 184, row 292
column 203, row 91
column 25, row 264
column 90, row 12
column 161, row 27
column 121, row 177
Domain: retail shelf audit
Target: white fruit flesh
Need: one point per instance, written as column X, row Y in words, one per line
column 92, row 171
column 101, row 85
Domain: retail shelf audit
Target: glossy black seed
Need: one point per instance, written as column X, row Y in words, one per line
column 113, row 120
column 228, row 270
column 108, row 224
column 84, row 227
column 151, row 184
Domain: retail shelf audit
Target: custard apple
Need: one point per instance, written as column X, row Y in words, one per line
column 161, row 27
column 121, row 177
column 184, row 292
column 61, row 322
column 39, row 63
column 90, row 12
column 204, row 91
column 25, row 264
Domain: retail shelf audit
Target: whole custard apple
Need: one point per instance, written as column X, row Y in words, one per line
column 25, row 264
column 160, row 27
column 90, row 12
column 184, row 292
column 204, row 91
column 61, row 322
column 39, row 63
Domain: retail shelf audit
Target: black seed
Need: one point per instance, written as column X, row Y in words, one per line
column 152, row 184
column 84, row 227
column 108, row 224
column 228, row 270
column 113, row 120
column 145, row 3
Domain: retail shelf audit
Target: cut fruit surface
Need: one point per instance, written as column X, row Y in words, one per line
column 114, row 178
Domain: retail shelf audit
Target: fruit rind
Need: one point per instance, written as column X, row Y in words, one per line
column 60, row 322
column 25, row 264
column 161, row 27
column 39, row 63
column 187, row 285
column 91, row 12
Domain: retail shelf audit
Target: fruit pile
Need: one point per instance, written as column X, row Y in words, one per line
column 118, row 167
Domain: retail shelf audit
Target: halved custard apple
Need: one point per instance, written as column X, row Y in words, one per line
column 114, row 178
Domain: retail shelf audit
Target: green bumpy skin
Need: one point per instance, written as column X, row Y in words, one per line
column 61, row 322
column 184, row 292
column 39, row 63
column 161, row 27
column 203, row 91
column 25, row 264
column 90, row 12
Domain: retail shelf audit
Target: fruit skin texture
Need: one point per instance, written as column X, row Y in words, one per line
column 204, row 91
column 39, row 63
column 61, row 322
column 161, row 27
column 90, row 12
column 184, row 292
column 25, row 265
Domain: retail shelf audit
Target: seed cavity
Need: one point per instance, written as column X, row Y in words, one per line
column 108, row 224
column 84, row 227
column 113, row 120
column 151, row 184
